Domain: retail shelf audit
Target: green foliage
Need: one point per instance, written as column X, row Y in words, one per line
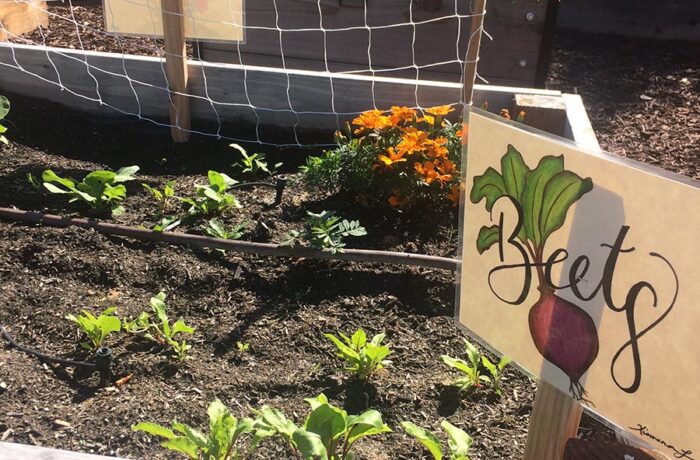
column 543, row 194
column 34, row 182
column 162, row 197
column 242, row 347
column 458, row 441
column 213, row 198
column 473, row 377
column 216, row 229
column 362, row 358
column 328, row 433
column 326, row 231
column 4, row 110
column 160, row 330
column 101, row 190
column 96, row 328
column 254, row 164
column 219, row 444
column 334, row 169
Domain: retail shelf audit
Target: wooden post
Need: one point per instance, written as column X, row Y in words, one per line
column 479, row 11
column 555, row 419
column 176, row 68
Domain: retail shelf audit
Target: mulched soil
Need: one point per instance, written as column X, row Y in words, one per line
column 281, row 307
column 642, row 96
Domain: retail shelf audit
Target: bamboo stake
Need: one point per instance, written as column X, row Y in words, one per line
column 176, row 68
column 470, row 62
column 555, row 419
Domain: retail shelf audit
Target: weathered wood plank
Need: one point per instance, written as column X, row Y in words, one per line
column 18, row 18
column 11, row 451
column 136, row 85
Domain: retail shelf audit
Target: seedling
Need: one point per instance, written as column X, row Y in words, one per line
column 472, row 375
column 328, row 433
column 254, row 164
column 216, row 229
column 101, row 190
column 160, row 330
column 4, row 110
column 363, row 359
column 34, row 182
column 212, row 198
column 325, row 231
column 219, row 444
column 162, row 197
column 96, row 328
column 458, row 443
column 242, row 347
column 496, row 371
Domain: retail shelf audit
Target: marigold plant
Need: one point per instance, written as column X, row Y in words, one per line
column 400, row 156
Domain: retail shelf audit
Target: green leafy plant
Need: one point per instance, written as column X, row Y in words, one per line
column 472, row 374
column 325, row 231
column 96, row 328
column 496, row 372
column 212, row 198
column 34, row 182
column 458, row 443
column 160, row 330
column 216, row 229
column 328, row 433
column 4, row 110
column 162, row 197
column 101, row 190
column 254, row 164
column 242, row 347
column 363, row 358
column 219, row 444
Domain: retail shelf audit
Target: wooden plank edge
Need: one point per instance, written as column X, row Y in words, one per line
column 13, row 451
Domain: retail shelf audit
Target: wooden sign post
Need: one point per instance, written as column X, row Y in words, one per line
column 176, row 68
column 470, row 62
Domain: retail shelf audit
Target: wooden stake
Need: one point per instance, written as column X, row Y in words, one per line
column 555, row 419
column 479, row 11
column 176, row 68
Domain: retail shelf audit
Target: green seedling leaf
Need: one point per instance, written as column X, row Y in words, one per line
column 459, row 441
column 184, row 445
column 309, row 445
column 4, row 107
column 425, row 437
column 368, row 423
column 154, row 429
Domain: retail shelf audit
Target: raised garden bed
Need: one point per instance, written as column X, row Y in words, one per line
column 281, row 307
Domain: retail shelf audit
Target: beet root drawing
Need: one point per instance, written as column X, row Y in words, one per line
column 563, row 333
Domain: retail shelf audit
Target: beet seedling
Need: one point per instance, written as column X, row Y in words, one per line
column 363, row 359
column 328, row 433
column 160, row 330
column 162, row 197
column 219, row 444
column 101, row 190
column 96, row 328
column 496, row 371
column 254, row 163
column 217, row 229
column 472, row 375
column 212, row 198
column 458, row 441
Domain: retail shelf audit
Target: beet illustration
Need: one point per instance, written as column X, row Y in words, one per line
column 566, row 336
column 563, row 333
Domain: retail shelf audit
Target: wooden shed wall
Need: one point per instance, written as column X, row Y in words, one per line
column 511, row 58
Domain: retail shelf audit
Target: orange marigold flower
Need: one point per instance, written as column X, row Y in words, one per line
column 454, row 195
column 412, row 141
column 437, row 148
column 397, row 200
column 371, row 120
column 440, row 111
column 447, row 167
column 401, row 114
column 428, row 119
column 392, row 158
column 505, row 113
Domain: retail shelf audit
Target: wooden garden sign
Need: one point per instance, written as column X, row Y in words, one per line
column 176, row 20
column 583, row 268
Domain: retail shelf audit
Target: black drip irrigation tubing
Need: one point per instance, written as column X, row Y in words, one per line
column 102, row 364
column 248, row 247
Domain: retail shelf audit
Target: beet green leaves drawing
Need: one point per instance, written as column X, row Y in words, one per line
column 563, row 333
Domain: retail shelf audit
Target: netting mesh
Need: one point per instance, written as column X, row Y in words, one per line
column 86, row 36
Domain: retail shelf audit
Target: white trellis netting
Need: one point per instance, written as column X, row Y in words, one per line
column 84, row 33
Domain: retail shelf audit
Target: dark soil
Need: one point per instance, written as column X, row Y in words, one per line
column 280, row 307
